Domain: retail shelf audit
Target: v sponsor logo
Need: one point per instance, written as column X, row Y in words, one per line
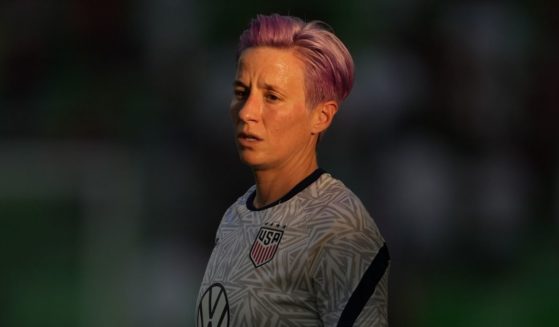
column 265, row 245
column 213, row 310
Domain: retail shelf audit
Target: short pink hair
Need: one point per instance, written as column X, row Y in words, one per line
column 328, row 63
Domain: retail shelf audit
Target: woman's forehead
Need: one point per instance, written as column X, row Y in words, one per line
column 270, row 65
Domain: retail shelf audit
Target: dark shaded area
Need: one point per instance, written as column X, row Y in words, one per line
column 117, row 161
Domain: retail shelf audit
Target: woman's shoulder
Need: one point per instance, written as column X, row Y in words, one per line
column 338, row 207
column 240, row 202
column 332, row 192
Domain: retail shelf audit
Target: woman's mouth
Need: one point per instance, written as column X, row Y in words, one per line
column 247, row 138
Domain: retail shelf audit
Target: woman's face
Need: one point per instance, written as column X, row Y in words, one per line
column 272, row 121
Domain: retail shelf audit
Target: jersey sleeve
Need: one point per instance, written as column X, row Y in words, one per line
column 350, row 273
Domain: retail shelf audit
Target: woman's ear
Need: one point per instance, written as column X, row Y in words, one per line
column 323, row 115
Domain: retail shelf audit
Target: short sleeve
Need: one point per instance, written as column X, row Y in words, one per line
column 350, row 277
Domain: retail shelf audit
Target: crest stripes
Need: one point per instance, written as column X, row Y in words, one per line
column 265, row 245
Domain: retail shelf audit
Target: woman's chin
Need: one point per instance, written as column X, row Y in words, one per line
column 253, row 163
column 249, row 160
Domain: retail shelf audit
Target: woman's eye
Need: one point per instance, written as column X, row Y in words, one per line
column 272, row 97
column 240, row 94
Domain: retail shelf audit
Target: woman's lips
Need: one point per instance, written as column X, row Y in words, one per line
column 248, row 138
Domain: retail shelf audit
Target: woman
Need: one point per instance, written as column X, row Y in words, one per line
column 298, row 248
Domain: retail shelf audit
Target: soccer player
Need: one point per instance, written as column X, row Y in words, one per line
column 298, row 248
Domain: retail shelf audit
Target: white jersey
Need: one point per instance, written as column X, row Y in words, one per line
column 313, row 258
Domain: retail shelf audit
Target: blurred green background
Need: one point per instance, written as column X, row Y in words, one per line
column 117, row 161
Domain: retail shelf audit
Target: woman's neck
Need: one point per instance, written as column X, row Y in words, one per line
column 273, row 184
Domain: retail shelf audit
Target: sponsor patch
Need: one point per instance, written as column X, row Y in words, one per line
column 213, row 309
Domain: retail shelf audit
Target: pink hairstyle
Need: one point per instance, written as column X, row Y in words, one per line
column 328, row 63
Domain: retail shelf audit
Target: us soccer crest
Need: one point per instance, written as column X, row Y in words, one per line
column 266, row 244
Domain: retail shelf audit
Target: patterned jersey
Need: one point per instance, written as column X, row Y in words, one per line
column 313, row 258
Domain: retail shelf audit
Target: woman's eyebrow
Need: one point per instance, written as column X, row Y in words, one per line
column 238, row 83
column 271, row 87
column 265, row 86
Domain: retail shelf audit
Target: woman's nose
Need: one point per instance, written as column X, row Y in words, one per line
column 250, row 109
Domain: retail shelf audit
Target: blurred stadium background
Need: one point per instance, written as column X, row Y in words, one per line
column 117, row 159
